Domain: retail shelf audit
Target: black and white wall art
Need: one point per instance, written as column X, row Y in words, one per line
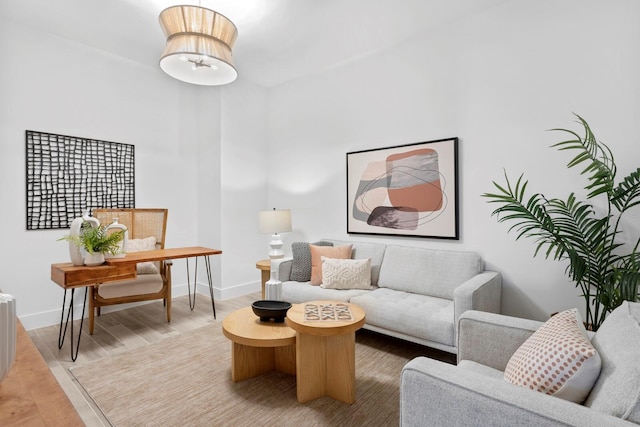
column 67, row 174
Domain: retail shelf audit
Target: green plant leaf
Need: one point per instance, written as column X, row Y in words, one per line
column 600, row 166
column 572, row 231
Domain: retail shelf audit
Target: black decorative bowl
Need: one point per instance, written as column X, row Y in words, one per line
column 267, row 310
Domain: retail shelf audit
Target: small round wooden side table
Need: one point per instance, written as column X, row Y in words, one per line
column 326, row 353
column 265, row 268
column 258, row 347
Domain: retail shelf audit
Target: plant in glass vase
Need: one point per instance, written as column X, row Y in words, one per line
column 606, row 270
column 97, row 241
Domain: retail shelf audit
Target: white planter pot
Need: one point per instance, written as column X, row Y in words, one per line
column 94, row 259
column 7, row 333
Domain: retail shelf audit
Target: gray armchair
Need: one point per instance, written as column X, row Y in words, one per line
column 474, row 393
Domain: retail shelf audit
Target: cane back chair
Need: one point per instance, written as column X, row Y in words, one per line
column 146, row 229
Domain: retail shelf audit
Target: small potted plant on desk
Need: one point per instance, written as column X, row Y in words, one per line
column 96, row 241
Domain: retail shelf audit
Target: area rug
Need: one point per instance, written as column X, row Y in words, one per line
column 186, row 381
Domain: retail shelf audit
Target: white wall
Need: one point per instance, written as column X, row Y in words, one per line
column 497, row 81
column 55, row 85
column 244, row 170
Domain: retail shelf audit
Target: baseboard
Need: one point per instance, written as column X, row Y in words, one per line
column 52, row 317
column 234, row 291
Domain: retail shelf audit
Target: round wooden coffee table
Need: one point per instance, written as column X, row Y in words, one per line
column 258, row 347
column 325, row 350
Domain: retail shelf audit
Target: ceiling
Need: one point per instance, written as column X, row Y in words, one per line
column 278, row 40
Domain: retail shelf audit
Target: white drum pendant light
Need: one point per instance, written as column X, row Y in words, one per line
column 199, row 43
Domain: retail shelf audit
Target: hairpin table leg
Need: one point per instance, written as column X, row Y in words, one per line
column 207, row 263
column 192, row 303
column 63, row 332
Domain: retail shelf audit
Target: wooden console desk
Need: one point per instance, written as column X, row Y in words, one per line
column 70, row 277
column 31, row 395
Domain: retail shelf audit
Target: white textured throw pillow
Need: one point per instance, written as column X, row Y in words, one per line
column 346, row 273
column 140, row 245
column 558, row 359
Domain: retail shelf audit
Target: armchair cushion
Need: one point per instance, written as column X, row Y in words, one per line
column 617, row 391
column 143, row 284
column 140, row 245
column 558, row 359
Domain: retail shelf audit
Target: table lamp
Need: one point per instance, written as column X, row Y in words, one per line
column 275, row 221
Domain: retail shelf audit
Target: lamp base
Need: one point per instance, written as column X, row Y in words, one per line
column 276, row 244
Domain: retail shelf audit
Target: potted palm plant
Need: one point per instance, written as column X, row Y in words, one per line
column 97, row 241
column 606, row 270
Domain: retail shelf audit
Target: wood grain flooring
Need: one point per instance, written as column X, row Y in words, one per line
column 122, row 331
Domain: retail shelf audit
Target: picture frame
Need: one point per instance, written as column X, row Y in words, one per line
column 68, row 174
column 404, row 190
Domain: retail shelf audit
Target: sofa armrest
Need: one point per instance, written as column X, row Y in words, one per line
column 491, row 339
column 481, row 292
column 433, row 393
column 283, row 267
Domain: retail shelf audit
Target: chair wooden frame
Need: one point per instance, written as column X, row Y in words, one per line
column 141, row 223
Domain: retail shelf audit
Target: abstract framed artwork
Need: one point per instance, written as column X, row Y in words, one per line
column 405, row 190
column 67, row 174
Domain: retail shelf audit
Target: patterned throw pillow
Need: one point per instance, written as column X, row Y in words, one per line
column 346, row 273
column 558, row 359
column 341, row 252
column 139, row 245
column 301, row 265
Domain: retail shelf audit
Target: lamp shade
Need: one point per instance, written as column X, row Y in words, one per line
column 199, row 43
column 275, row 221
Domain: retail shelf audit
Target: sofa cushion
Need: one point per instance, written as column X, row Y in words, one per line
column 346, row 273
column 363, row 250
column 317, row 252
column 617, row 391
column 427, row 271
column 296, row 292
column 557, row 359
column 301, row 265
column 421, row 316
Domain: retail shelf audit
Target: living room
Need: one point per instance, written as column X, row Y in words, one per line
column 496, row 74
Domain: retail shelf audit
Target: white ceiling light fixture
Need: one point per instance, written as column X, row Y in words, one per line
column 199, row 43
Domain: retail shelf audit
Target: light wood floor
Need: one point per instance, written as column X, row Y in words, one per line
column 123, row 331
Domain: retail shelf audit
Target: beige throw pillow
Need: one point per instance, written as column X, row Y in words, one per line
column 558, row 359
column 341, row 252
column 140, row 245
column 346, row 273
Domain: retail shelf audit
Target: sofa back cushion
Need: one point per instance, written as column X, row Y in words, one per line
column 361, row 250
column 301, row 265
column 427, row 271
column 617, row 390
column 318, row 252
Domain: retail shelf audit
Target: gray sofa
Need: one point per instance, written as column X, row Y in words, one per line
column 474, row 392
column 418, row 294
